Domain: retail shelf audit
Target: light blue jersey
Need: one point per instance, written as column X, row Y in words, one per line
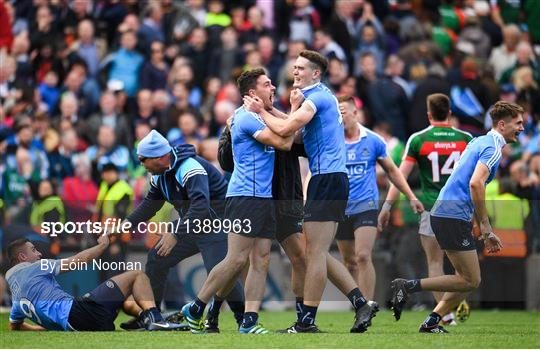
column 253, row 161
column 36, row 295
column 324, row 140
column 362, row 156
column 455, row 200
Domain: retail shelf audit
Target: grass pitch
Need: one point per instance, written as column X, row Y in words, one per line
column 485, row 329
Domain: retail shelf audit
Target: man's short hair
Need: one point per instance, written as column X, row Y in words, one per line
column 347, row 98
column 14, row 248
column 248, row 80
column 504, row 110
column 319, row 61
column 439, row 106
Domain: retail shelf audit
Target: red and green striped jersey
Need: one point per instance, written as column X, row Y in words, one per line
column 436, row 149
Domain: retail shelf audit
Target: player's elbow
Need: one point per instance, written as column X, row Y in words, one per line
column 475, row 185
column 285, row 146
column 15, row 326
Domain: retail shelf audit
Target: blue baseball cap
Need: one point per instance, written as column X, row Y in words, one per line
column 153, row 145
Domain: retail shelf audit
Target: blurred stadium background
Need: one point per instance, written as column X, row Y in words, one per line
column 82, row 81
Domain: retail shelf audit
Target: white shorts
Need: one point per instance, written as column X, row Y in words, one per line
column 425, row 225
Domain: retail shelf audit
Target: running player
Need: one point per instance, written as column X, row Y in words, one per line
column 356, row 235
column 436, row 149
column 322, row 129
column 38, row 296
column 463, row 196
column 249, row 202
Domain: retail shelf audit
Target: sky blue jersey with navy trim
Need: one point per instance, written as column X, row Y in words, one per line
column 253, row 161
column 362, row 156
column 324, row 139
column 37, row 295
column 454, row 200
column 189, row 184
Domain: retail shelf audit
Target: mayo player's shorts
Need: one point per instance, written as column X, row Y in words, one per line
column 425, row 225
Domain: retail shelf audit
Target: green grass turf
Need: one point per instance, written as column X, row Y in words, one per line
column 485, row 329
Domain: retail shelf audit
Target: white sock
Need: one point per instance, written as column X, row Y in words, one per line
column 448, row 317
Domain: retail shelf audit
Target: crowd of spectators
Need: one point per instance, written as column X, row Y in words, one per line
column 82, row 81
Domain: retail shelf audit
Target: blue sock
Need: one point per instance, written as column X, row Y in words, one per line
column 250, row 319
column 196, row 309
column 308, row 315
column 432, row 320
column 237, row 307
column 356, row 298
column 413, row 286
column 299, row 305
column 153, row 314
column 215, row 307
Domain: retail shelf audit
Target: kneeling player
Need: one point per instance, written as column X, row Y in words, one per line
column 38, row 296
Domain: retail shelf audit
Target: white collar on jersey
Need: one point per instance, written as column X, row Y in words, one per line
column 310, row 87
column 498, row 135
column 363, row 133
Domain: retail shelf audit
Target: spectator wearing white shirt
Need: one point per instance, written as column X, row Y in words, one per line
column 504, row 56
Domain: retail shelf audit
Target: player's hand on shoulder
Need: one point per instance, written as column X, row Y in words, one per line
column 253, row 104
column 296, row 98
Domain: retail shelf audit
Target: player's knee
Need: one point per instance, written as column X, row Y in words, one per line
column 261, row 261
column 236, row 263
column 363, row 257
column 352, row 264
column 314, row 251
column 298, row 261
column 473, row 282
column 476, row 281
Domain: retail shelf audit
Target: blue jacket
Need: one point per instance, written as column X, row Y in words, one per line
column 192, row 185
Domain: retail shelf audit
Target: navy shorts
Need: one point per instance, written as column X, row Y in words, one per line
column 346, row 228
column 453, row 234
column 257, row 216
column 327, row 196
column 97, row 310
column 286, row 226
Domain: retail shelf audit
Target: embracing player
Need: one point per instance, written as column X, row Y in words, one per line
column 322, row 129
column 460, row 199
column 435, row 150
column 248, row 202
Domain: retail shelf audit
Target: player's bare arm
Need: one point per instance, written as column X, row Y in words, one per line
column 88, row 254
column 397, row 178
column 478, row 195
column 23, row 326
column 282, row 127
column 405, row 168
column 268, row 137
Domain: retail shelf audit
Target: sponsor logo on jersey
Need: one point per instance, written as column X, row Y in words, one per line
column 365, row 152
column 357, row 169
